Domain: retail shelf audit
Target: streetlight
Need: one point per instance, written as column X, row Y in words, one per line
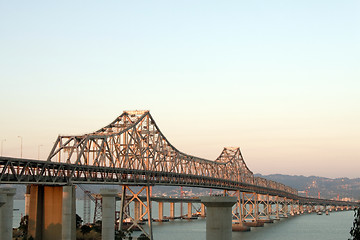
column 39, row 151
column 2, row 142
column 21, row 146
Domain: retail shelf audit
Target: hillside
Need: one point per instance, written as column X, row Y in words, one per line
column 329, row 188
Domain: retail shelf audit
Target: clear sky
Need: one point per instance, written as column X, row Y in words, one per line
column 280, row 79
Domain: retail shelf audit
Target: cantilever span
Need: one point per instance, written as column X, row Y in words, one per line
column 133, row 151
column 134, row 142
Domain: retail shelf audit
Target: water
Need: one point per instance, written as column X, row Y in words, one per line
column 335, row 226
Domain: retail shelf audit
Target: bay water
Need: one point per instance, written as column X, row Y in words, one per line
column 335, row 226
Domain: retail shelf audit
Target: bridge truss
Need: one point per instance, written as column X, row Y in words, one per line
column 133, row 151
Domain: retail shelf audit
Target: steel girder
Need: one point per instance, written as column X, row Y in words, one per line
column 132, row 150
column 133, row 141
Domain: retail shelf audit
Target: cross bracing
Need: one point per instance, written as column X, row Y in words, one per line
column 132, row 150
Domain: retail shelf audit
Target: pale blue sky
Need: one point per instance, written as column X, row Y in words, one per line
column 280, row 79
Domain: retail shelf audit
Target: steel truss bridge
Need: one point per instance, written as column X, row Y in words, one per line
column 133, row 151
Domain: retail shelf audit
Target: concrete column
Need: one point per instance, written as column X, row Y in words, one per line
column 2, row 199
column 36, row 211
column 52, row 213
column 172, row 210
column 45, row 212
column 218, row 217
column 203, row 214
column 68, row 213
column 161, row 211
column 108, row 213
column 27, row 200
column 6, row 212
column 189, row 215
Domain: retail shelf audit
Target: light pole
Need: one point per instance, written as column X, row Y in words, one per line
column 2, row 142
column 21, row 146
column 39, row 151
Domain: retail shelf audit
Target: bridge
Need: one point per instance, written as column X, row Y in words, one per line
column 132, row 151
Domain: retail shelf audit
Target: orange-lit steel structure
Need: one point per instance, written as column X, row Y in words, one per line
column 133, row 151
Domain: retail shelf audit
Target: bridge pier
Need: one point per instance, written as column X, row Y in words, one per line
column 189, row 215
column 218, row 217
column 251, row 214
column 108, row 213
column 125, row 203
column 265, row 212
column 161, row 211
column 52, row 212
column 27, row 200
column 277, row 209
column 172, row 210
column 69, row 213
column 284, row 208
column 6, row 212
column 203, row 213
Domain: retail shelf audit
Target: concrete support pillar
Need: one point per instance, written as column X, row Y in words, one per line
column 52, row 218
column 219, row 217
column 189, row 215
column 108, row 213
column 68, row 213
column 161, row 211
column 2, row 199
column 172, row 210
column 45, row 213
column 203, row 213
column 6, row 212
column 27, row 200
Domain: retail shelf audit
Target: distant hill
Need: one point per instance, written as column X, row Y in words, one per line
column 329, row 188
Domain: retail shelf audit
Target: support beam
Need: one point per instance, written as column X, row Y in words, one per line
column 189, row 208
column 219, row 217
column 125, row 203
column 108, row 213
column 161, row 211
column 69, row 213
column 203, row 213
column 172, row 210
column 27, row 200
column 6, row 212
column 45, row 213
column 137, row 210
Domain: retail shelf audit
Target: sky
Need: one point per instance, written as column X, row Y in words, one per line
column 279, row 79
